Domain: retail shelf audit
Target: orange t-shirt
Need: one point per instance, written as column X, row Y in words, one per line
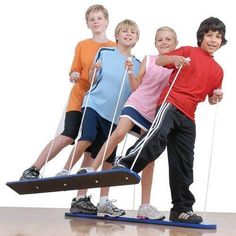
column 84, row 55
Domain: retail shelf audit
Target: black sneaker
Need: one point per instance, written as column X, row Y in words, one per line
column 117, row 160
column 188, row 217
column 83, row 205
column 30, row 173
column 117, row 164
column 85, row 170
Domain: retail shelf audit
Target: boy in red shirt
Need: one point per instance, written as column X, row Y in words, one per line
column 199, row 76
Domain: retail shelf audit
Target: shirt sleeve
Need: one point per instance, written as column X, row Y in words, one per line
column 76, row 64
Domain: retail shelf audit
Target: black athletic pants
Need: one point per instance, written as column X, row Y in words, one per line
column 172, row 129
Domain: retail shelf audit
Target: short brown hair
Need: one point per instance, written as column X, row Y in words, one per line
column 96, row 8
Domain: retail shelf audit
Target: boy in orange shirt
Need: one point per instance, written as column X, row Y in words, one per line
column 97, row 19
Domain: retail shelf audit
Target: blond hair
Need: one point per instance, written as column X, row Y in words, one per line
column 96, row 8
column 127, row 24
column 167, row 28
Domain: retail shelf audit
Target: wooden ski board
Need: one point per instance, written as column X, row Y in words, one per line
column 106, row 178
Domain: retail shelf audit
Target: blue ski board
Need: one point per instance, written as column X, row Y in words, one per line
column 146, row 221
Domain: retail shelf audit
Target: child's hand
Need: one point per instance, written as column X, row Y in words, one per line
column 74, row 77
column 129, row 65
column 97, row 65
column 217, row 96
column 181, row 61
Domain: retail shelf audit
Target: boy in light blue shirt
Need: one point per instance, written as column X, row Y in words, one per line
column 101, row 106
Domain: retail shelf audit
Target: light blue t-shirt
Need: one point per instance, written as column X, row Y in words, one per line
column 105, row 92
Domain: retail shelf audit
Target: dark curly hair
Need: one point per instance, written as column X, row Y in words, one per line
column 211, row 24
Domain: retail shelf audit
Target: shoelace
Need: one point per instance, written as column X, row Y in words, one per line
column 87, row 199
column 110, row 203
column 88, row 202
column 190, row 213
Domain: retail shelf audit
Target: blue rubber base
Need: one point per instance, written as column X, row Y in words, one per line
column 146, row 221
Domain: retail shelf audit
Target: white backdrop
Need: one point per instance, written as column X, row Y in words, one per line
column 37, row 46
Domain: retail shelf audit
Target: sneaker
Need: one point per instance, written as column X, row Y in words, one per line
column 148, row 211
column 64, row 172
column 30, row 173
column 108, row 209
column 85, row 170
column 118, row 166
column 117, row 163
column 83, row 205
column 188, row 217
column 117, row 160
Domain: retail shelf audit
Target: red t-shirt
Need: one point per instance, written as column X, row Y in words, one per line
column 195, row 81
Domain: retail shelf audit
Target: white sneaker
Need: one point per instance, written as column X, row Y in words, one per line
column 148, row 211
column 85, row 170
column 108, row 209
column 63, row 173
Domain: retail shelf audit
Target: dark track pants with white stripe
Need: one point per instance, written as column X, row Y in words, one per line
column 172, row 129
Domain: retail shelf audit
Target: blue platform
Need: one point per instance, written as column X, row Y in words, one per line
column 145, row 221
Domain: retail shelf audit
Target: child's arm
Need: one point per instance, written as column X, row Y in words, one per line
column 216, row 97
column 136, row 81
column 94, row 68
column 176, row 61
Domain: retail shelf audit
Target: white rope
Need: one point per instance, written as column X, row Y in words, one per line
column 56, row 134
column 156, row 117
column 113, row 118
column 211, row 156
column 82, row 119
column 134, row 196
column 123, row 148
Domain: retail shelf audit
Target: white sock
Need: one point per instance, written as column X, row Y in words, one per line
column 103, row 199
column 80, row 196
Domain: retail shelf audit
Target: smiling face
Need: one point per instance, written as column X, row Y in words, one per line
column 97, row 22
column 127, row 36
column 127, row 33
column 165, row 41
column 211, row 42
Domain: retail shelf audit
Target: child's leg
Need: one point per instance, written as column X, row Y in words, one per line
column 82, row 203
column 69, row 134
column 105, row 191
column 105, row 206
column 81, row 146
column 123, row 127
column 146, row 210
column 87, row 161
column 146, row 182
column 59, row 143
column 87, row 137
